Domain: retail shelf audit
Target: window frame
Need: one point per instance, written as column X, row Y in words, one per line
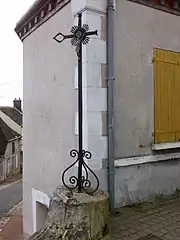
column 162, row 145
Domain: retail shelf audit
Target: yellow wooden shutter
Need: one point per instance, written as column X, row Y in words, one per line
column 166, row 96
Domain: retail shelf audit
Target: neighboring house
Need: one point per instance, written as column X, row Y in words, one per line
column 10, row 140
column 141, row 138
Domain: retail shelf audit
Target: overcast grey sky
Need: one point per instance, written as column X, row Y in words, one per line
column 11, row 50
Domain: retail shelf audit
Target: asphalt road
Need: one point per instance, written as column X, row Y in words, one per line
column 10, row 196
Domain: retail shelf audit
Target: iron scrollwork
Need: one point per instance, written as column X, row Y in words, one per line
column 85, row 182
column 79, row 36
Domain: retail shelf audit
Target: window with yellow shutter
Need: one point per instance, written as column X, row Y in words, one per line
column 166, row 96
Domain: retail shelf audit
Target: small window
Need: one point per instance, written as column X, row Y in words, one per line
column 16, row 161
column 13, row 148
column 8, row 166
column 41, row 215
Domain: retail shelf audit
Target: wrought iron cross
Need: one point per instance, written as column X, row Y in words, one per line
column 79, row 36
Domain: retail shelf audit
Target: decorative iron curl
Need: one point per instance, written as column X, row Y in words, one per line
column 74, row 153
column 73, row 179
column 87, row 154
column 86, row 184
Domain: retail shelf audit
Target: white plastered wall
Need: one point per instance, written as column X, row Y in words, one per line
column 94, row 93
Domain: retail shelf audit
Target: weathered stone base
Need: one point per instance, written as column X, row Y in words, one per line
column 107, row 237
column 76, row 216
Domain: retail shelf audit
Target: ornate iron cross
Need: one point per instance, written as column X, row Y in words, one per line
column 79, row 36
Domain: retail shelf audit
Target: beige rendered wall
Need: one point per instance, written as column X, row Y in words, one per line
column 49, row 108
column 138, row 29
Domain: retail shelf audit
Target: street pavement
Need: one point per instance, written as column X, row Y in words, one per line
column 158, row 220
column 10, row 195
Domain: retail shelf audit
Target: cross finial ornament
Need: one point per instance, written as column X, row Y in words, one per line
column 79, row 36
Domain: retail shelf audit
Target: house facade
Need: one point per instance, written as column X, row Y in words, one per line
column 146, row 128
column 10, row 140
column 130, row 99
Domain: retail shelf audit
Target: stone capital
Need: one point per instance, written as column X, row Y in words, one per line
column 90, row 5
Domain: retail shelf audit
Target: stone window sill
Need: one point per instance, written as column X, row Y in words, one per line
column 163, row 146
column 132, row 161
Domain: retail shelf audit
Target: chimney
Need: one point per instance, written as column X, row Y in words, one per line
column 17, row 104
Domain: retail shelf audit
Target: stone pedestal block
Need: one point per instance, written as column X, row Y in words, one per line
column 76, row 216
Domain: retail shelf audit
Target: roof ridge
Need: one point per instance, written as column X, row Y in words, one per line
column 10, row 122
column 13, row 113
column 6, row 106
column 17, row 110
column 8, row 132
